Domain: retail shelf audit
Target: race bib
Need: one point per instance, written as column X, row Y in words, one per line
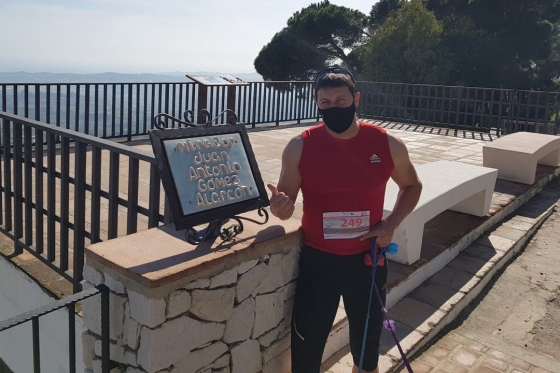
column 343, row 225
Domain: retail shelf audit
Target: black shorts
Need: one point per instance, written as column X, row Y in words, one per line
column 323, row 279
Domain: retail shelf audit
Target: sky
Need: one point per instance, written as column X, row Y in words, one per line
column 142, row 36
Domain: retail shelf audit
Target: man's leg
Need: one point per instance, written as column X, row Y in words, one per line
column 356, row 296
column 316, row 302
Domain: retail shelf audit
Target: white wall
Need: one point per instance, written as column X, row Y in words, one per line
column 19, row 294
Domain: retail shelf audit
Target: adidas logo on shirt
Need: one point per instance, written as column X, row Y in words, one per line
column 375, row 159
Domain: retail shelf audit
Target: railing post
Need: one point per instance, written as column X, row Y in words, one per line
column 202, row 99
column 129, row 114
column 37, row 102
column 36, row 345
column 167, row 217
column 18, row 187
column 51, row 195
column 132, row 208
column 26, row 100
column 28, row 185
column 86, row 108
column 105, row 361
column 39, row 191
column 300, row 101
column 231, row 98
column 15, row 99
column 113, row 221
column 4, row 97
column 510, row 110
column 360, row 109
column 48, row 105
column 7, row 155
column 72, row 338
column 96, row 110
column 277, row 107
column 79, row 213
column 557, row 112
column 500, row 108
column 77, row 123
column 153, row 199
column 457, row 110
column 254, row 111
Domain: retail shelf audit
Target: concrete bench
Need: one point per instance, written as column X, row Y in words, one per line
column 446, row 186
column 516, row 156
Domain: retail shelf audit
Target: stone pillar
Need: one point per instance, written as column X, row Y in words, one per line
column 212, row 308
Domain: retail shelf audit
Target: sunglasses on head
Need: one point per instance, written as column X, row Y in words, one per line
column 334, row 70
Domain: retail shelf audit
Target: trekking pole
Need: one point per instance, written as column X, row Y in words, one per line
column 387, row 323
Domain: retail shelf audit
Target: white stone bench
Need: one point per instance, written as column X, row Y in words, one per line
column 516, row 156
column 446, row 186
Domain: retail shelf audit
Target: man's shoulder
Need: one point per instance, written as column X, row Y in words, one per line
column 295, row 143
column 296, row 138
column 396, row 145
column 314, row 129
column 397, row 148
column 373, row 127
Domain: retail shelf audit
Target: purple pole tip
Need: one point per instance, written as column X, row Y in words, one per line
column 393, row 248
column 389, row 324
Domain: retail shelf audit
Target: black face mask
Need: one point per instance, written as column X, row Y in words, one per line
column 338, row 119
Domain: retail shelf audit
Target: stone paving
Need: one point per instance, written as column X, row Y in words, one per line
column 514, row 326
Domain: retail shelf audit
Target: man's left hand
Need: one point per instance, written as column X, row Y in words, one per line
column 382, row 231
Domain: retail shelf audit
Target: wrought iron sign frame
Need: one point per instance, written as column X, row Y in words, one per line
column 215, row 217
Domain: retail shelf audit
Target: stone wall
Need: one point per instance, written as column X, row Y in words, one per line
column 236, row 321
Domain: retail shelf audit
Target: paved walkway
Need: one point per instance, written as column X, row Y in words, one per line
column 514, row 326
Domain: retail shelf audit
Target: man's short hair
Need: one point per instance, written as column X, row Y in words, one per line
column 333, row 77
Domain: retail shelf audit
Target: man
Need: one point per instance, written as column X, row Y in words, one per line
column 342, row 167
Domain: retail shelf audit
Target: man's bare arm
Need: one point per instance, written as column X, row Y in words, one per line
column 410, row 187
column 284, row 196
column 406, row 178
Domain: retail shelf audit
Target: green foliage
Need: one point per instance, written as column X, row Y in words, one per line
column 328, row 26
column 316, row 36
column 548, row 70
column 487, row 43
column 381, row 10
column 407, row 48
column 287, row 57
column 499, row 42
column 356, row 61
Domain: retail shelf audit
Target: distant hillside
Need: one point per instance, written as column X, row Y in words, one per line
column 25, row 77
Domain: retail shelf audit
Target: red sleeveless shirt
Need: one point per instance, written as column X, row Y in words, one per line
column 343, row 176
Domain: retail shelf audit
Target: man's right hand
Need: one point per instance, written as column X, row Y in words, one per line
column 281, row 205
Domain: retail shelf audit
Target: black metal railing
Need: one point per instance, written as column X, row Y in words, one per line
column 61, row 190
column 70, row 304
column 466, row 108
column 125, row 110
